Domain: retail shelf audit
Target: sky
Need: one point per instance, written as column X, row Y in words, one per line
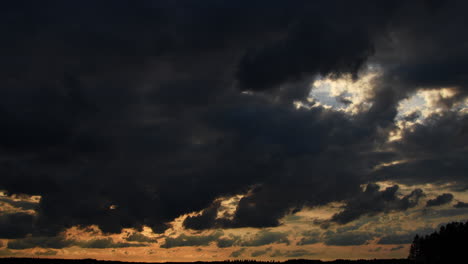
column 180, row 130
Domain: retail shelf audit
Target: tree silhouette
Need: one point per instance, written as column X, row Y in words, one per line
column 448, row 245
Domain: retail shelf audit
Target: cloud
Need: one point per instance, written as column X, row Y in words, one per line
column 237, row 253
column 433, row 152
column 309, row 238
column 347, row 239
column 403, row 238
column 46, row 253
column 396, row 239
column 108, row 243
column 260, row 252
column 7, row 253
column 373, row 201
column 206, row 219
column 440, row 200
column 24, row 205
column 16, row 225
column 184, row 240
column 157, row 109
column 292, row 253
column 397, row 248
column 266, row 237
column 378, row 249
column 136, row 109
column 138, row 237
column 228, row 241
column 57, row 242
column 461, row 205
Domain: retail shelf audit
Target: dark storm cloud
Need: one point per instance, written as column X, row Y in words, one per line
column 127, row 114
column 269, row 135
column 16, row 225
column 426, row 50
column 56, row 242
column 440, row 200
column 373, row 201
column 205, row 220
column 432, row 152
column 314, row 45
column 122, row 104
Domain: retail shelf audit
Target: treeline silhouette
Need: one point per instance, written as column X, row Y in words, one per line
column 292, row 261
column 448, row 245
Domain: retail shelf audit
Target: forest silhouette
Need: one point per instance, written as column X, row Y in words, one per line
column 447, row 245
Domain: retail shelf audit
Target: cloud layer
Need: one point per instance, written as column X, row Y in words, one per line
column 128, row 114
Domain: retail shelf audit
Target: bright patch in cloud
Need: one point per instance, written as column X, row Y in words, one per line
column 344, row 93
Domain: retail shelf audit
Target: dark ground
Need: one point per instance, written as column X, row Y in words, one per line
column 295, row 261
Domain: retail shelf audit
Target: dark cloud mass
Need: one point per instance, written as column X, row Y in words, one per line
column 16, row 225
column 137, row 237
column 57, row 242
column 373, row 201
column 440, row 200
column 461, row 205
column 125, row 114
